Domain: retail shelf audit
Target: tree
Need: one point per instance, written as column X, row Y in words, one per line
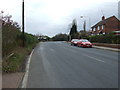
column 73, row 30
column 10, row 34
column 74, row 27
column 60, row 37
column 84, row 33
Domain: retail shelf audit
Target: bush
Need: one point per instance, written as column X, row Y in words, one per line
column 12, row 44
column 12, row 37
column 60, row 37
column 30, row 39
column 108, row 38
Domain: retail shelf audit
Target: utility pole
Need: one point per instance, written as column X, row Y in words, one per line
column 84, row 26
column 23, row 36
column 89, row 24
column 69, row 28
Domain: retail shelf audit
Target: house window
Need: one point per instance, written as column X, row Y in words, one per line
column 98, row 27
column 93, row 29
column 102, row 26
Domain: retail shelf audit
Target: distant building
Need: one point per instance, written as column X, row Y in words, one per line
column 119, row 10
column 106, row 25
column 42, row 38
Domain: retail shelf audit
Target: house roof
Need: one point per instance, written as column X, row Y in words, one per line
column 104, row 21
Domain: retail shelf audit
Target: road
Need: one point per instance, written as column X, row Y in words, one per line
column 60, row 65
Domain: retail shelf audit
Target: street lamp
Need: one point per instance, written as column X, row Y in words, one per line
column 84, row 25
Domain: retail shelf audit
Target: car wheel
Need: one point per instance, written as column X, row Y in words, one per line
column 82, row 46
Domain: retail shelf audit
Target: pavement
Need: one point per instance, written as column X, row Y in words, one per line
column 12, row 80
column 16, row 78
column 107, row 48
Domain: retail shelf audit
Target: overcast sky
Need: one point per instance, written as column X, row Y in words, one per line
column 50, row 17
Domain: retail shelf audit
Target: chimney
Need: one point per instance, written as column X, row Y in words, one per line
column 103, row 17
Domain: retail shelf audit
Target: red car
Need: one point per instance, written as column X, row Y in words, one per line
column 74, row 42
column 84, row 43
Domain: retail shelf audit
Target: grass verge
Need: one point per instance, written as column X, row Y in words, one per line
column 14, row 62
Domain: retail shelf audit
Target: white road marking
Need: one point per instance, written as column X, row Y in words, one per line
column 94, row 58
column 24, row 82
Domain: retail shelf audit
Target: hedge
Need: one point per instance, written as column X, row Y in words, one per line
column 111, row 39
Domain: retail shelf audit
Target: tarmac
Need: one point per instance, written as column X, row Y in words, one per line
column 13, row 80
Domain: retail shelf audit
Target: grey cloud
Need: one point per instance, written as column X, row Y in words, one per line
column 38, row 22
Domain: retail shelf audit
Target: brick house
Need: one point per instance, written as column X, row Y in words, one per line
column 106, row 25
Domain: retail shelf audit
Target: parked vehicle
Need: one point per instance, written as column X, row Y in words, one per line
column 84, row 43
column 74, row 42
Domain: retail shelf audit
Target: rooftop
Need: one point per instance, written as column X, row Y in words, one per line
column 103, row 21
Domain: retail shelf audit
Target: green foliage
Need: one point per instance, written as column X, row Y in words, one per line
column 12, row 36
column 85, row 38
column 84, row 33
column 14, row 62
column 108, row 38
column 60, row 37
column 30, row 39
column 9, row 38
column 12, row 43
column 11, row 65
column 73, row 29
column 75, row 35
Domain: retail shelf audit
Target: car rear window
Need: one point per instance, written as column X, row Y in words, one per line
column 84, row 40
column 75, row 40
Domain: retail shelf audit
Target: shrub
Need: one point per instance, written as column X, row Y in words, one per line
column 108, row 38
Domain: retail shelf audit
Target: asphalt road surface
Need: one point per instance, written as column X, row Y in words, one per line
column 60, row 65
